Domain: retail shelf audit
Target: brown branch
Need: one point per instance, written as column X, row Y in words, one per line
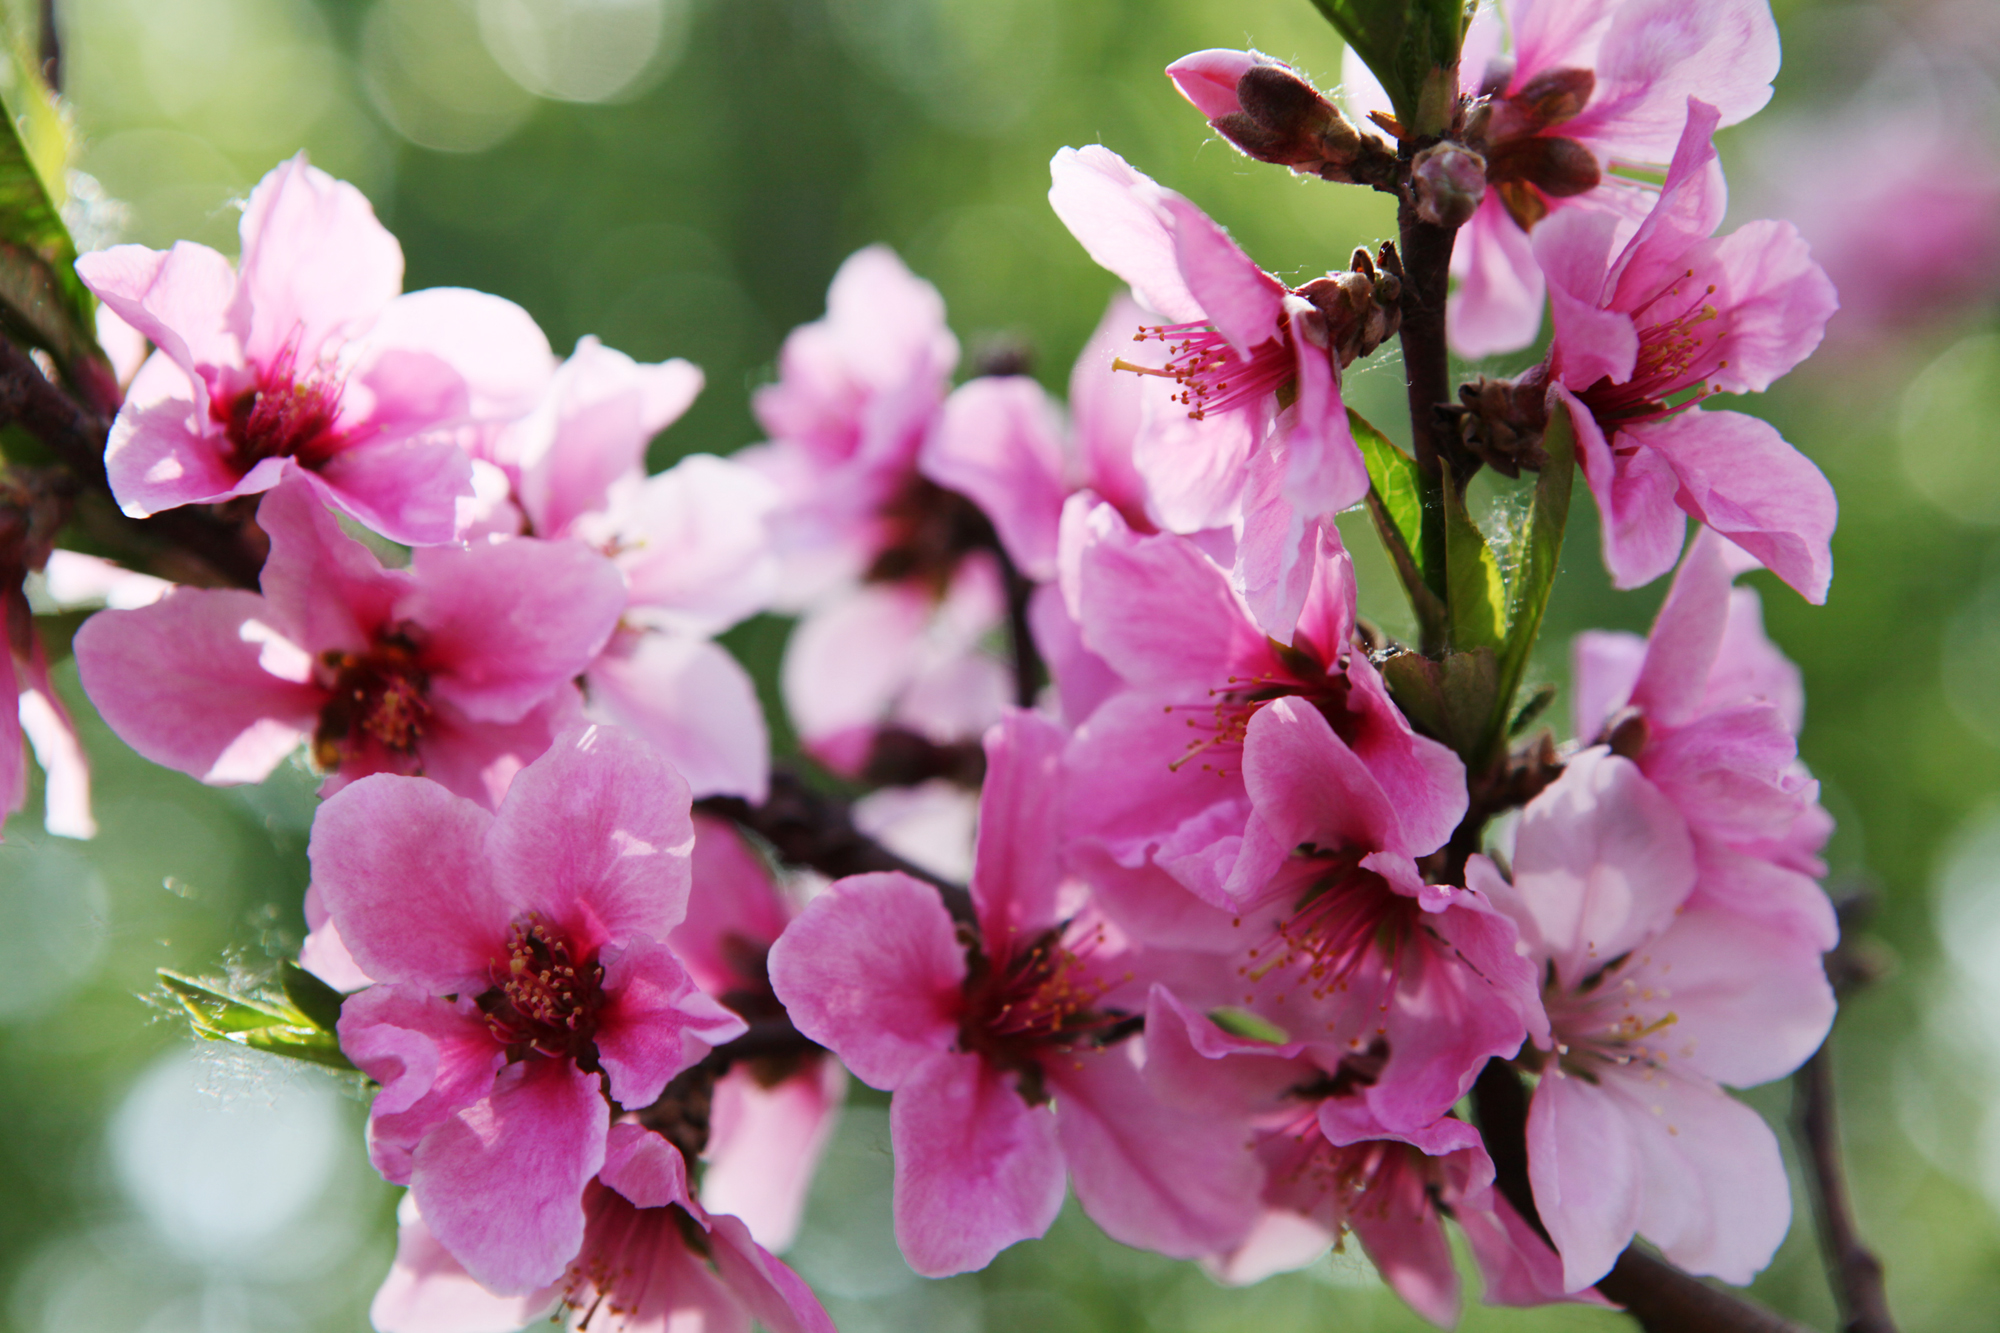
column 1426, row 255
column 1853, row 1270
column 1661, row 1297
column 1029, row 673
column 814, row 829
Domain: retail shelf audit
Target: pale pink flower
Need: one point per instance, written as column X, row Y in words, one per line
column 305, row 360
column 1678, row 312
column 1709, row 710
column 771, row 1117
column 999, row 1046
column 856, row 394
column 1158, row 767
column 458, row 667
column 1592, row 93
column 522, row 976
column 653, row 1261
column 1233, row 338
column 1653, row 1003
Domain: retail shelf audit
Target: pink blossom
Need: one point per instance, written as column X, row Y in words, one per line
column 305, row 360
column 1329, row 1167
column 522, row 976
column 1590, row 86
column 652, row 1260
column 1234, row 338
column 998, row 1045
column 457, row 667
column 770, row 1118
column 1676, row 312
column 856, row 394
column 1653, row 1002
column 1337, row 946
column 1158, row 768
column 1708, row 709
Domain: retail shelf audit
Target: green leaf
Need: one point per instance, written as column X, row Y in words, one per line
column 1538, row 555
column 1475, row 591
column 297, row 1021
column 1243, row 1023
column 1412, row 47
column 1452, row 700
column 42, row 301
column 1396, row 494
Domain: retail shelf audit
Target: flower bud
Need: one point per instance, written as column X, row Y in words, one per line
column 1271, row 113
column 1361, row 308
column 1448, row 180
column 1501, row 422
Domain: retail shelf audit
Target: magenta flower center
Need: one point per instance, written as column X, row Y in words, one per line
column 1614, row 1018
column 1675, row 348
column 1211, row 375
column 626, row 1254
column 281, row 416
column 1345, row 929
column 374, row 698
column 1218, row 727
column 546, row 996
column 1036, row 1002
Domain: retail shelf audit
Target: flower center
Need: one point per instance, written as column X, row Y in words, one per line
column 546, row 995
column 1041, row 1000
column 281, row 416
column 1345, row 931
column 1211, row 375
column 626, row 1250
column 1615, row 1018
column 1220, row 725
column 1674, row 351
column 376, row 698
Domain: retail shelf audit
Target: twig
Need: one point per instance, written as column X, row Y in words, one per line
column 1853, row 1270
column 811, row 828
column 1029, row 674
column 1660, row 1296
column 1426, row 255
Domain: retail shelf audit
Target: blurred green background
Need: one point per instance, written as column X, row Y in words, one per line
column 681, row 177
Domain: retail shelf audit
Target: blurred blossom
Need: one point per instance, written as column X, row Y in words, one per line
column 433, row 80
column 584, row 50
column 1945, row 429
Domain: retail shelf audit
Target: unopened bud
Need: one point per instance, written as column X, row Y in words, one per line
column 1361, row 308
column 1273, row 114
column 1501, row 422
column 1449, row 180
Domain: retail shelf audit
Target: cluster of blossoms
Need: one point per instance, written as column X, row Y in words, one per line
column 1236, row 950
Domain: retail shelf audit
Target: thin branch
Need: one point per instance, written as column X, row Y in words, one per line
column 1426, row 254
column 1029, row 673
column 814, row 829
column 1853, row 1270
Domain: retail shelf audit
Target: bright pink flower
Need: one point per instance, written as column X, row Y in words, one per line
column 998, row 1049
column 1339, row 948
column 1235, row 338
column 1330, row 1167
column 1591, row 86
column 306, row 360
column 457, row 667
column 770, row 1118
column 1678, row 313
column 855, row 396
column 653, row 1261
column 522, row 976
column 1158, row 769
column 1653, row 1002
column 1709, row 709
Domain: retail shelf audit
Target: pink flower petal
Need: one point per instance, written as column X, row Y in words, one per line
column 1208, row 79
column 596, row 836
column 428, row 1291
column 181, row 682
column 1604, row 667
column 1240, row 299
column 158, row 458
column 326, row 590
column 497, row 354
column 1497, row 306
column 1151, row 1175
column 999, row 443
column 408, row 488
column 177, row 298
column 655, row 1022
column 400, row 864
column 871, row 970
column 507, row 622
column 1017, row 862
column 764, row 1145
column 772, row 1294
column 1587, row 1172
column 535, row 1141
column 1751, row 1000
column 1116, row 212
column 1641, row 527
column 431, row 1056
column 977, row 1169
column 698, row 550
column 692, row 701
